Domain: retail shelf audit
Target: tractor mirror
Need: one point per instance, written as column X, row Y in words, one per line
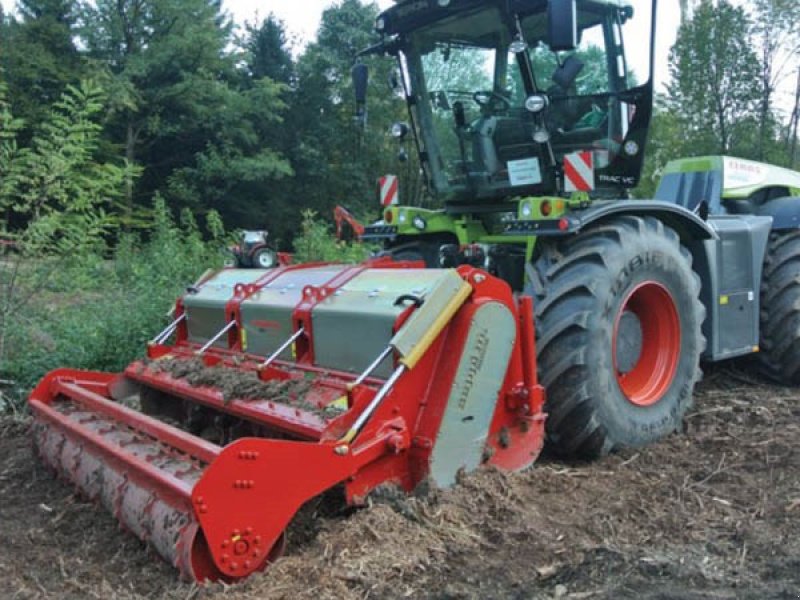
column 567, row 72
column 562, row 25
column 360, row 74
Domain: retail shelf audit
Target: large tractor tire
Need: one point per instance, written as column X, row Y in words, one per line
column 780, row 309
column 619, row 335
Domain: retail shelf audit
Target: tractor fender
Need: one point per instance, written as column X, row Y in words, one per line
column 687, row 224
column 785, row 212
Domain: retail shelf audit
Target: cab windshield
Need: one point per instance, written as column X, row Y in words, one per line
column 472, row 75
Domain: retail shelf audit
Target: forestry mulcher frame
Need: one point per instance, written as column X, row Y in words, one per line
column 271, row 387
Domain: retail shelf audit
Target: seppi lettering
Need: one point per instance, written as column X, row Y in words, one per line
column 476, row 359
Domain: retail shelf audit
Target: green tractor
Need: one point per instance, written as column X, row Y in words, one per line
column 530, row 120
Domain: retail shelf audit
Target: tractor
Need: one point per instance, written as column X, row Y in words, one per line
column 530, row 122
column 538, row 302
column 253, row 251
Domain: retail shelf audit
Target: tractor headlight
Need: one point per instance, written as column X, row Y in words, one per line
column 541, row 136
column 401, row 218
column 526, row 210
column 536, row 103
column 399, row 130
column 419, row 223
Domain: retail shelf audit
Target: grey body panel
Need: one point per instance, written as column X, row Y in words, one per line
column 351, row 327
column 785, row 212
column 355, row 324
column 730, row 268
column 461, row 440
column 267, row 314
column 205, row 315
column 691, row 189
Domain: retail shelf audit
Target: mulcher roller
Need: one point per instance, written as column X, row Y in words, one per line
column 272, row 387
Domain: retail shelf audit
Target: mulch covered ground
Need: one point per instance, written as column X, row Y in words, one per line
column 713, row 512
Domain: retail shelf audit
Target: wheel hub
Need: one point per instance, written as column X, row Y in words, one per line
column 647, row 343
column 629, row 342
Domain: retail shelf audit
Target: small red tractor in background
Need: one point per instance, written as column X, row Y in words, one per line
column 254, row 251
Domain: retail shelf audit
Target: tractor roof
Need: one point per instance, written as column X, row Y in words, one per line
column 408, row 15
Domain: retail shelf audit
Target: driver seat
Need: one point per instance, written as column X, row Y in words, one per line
column 484, row 151
column 498, row 140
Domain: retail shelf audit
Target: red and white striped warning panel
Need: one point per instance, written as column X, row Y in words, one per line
column 579, row 172
column 388, row 190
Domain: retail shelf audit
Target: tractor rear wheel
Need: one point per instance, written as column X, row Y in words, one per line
column 265, row 258
column 619, row 335
column 780, row 309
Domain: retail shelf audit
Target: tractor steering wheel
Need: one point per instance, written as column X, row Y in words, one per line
column 491, row 100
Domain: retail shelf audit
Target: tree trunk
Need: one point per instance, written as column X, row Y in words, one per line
column 130, row 156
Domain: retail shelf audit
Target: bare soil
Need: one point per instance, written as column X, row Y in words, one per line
column 713, row 512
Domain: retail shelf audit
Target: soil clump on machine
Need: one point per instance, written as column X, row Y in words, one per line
column 712, row 513
column 237, row 384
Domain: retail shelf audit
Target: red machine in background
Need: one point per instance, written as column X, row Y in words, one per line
column 347, row 226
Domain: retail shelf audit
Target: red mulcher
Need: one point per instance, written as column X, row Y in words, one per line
column 283, row 384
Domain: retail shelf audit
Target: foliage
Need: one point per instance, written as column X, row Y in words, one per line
column 93, row 313
column 267, row 48
column 725, row 67
column 39, row 58
column 55, row 185
column 182, row 107
column 715, row 80
column 316, row 242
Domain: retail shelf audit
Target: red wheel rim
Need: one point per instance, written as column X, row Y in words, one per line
column 652, row 374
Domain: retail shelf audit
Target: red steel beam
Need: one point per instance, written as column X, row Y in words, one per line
column 286, row 418
column 185, row 442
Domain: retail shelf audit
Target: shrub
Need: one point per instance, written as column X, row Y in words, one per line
column 88, row 312
column 316, row 242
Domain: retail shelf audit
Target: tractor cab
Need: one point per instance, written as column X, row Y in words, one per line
column 499, row 92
